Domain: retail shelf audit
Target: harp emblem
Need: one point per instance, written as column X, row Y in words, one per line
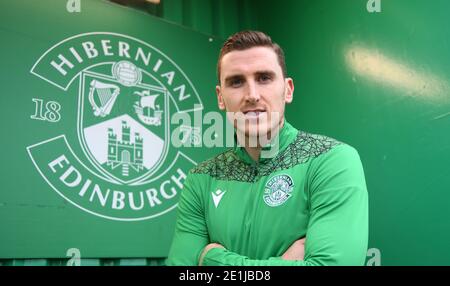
column 102, row 97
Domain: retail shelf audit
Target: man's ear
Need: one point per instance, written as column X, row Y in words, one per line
column 289, row 90
column 220, row 101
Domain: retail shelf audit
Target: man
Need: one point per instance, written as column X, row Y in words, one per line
column 307, row 205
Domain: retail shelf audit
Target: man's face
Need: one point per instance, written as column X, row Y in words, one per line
column 252, row 82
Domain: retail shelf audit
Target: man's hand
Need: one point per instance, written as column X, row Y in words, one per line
column 296, row 251
column 206, row 249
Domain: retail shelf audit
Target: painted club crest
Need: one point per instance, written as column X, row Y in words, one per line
column 278, row 190
column 123, row 121
column 112, row 157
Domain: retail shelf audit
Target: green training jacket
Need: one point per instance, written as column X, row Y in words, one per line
column 313, row 187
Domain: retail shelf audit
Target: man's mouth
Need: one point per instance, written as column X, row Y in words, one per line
column 254, row 112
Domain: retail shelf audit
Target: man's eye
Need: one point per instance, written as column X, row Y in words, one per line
column 264, row 78
column 235, row 82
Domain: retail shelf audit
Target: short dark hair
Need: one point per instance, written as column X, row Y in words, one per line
column 248, row 39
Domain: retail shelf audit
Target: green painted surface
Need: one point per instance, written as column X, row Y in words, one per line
column 36, row 221
column 380, row 82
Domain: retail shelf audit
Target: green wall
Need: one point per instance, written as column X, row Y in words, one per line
column 377, row 81
column 220, row 18
column 380, row 82
column 44, row 219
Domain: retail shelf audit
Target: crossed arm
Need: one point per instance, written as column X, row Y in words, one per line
column 295, row 252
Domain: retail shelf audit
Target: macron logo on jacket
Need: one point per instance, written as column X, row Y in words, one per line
column 217, row 196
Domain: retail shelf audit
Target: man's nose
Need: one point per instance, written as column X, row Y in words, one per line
column 252, row 93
